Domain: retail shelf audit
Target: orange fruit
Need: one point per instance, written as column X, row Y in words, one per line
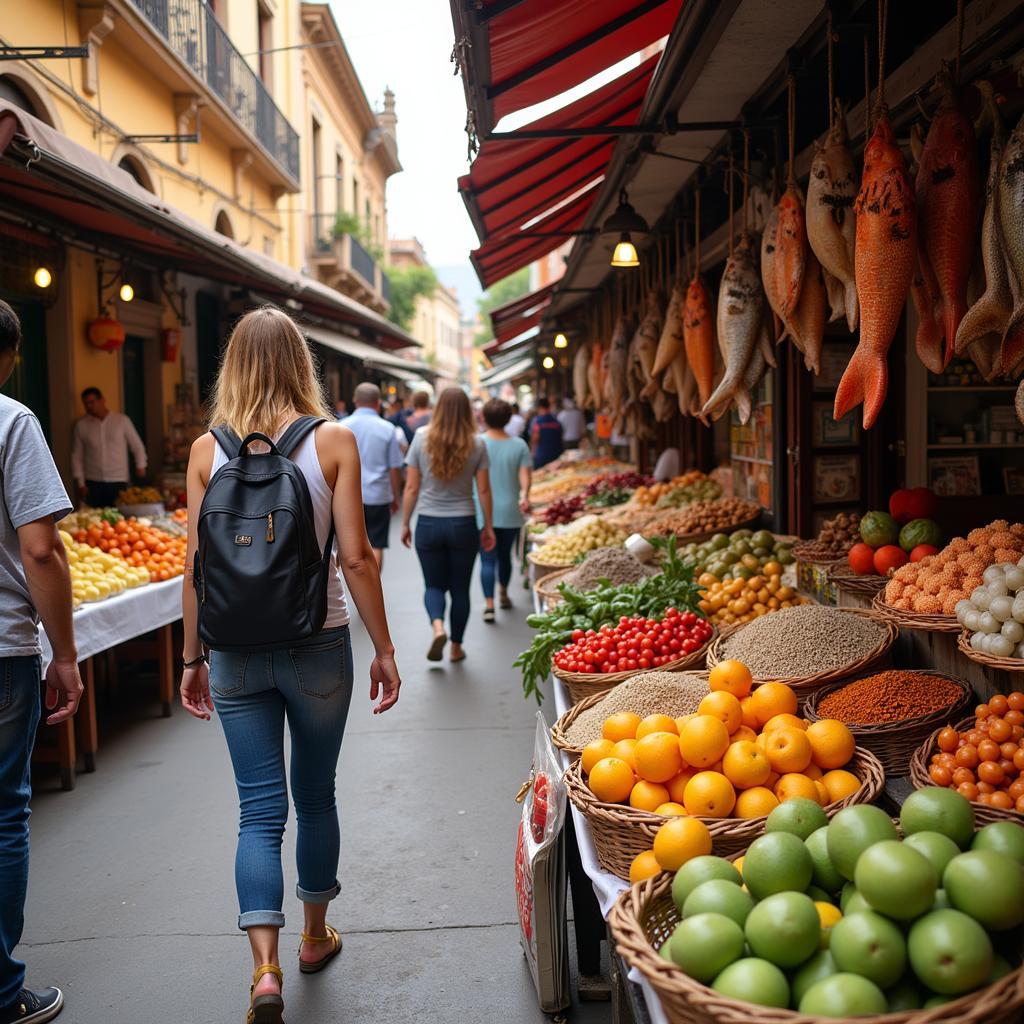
column 771, row 699
column 749, row 717
column 793, row 785
column 757, row 802
column 743, row 733
column 594, row 751
column 723, row 706
column 822, row 792
column 680, row 840
column 620, row 726
column 783, row 721
column 656, row 723
column 772, row 779
column 645, row 865
column 657, row 757
column 709, row 795
column 730, row 676
column 683, row 719
column 677, row 786
column 829, row 916
column 611, row 780
column 738, row 865
column 745, row 765
column 812, row 771
column 647, row 796
column 788, row 750
column 670, row 809
column 832, row 743
column 624, row 750
column 703, row 740
column 840, row 784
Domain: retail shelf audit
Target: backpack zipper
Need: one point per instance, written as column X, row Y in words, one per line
column 270, row 527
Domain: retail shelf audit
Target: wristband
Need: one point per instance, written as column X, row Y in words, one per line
column 201, row 660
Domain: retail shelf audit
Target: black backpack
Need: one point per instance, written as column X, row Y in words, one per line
column 260, row 576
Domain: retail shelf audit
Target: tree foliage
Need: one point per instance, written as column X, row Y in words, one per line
column 407, row 285
column 508, row 288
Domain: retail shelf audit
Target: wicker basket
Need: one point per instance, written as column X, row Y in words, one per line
column 804, row 685
column 915, row 620
column 621, row 832
column 644, row 917
column 547, row 586
column 537, row 559
column 983, row 813
column 585, row 684
column 842, row 577
column 699, row 538
column 894, row 743
column 988, row 660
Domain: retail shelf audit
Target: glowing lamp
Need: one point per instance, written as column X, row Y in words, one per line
column 561, row 341
column 42, row 277
column 127, row 293
column 625, row 253
column 548, row 363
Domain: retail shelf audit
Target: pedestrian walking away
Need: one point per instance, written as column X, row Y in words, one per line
column 278, row 638
column 100, row 443
column 516, row 425
column 573, row 423
column 443, row 462
column 420, row 415
column 546, row 435
column 510, row 473
column 35, row 583
column 381, row 460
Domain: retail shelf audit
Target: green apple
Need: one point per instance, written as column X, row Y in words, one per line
column 784, row 928
column 719, row 896
column 825, row 873
column 950, row 952
column 752, row 980
column 938, row 848
column 1003, row 837
column 852, row 831
column 665, row 953
column 933, row 1001
column 844, row 896
column 904, row 996
column 821, row 965
column 987, row 885
column 698, row 870
column 843, row 995
column 869, row 945
column 800, row 817
column 819, row 895
column 705, row 944
column 937, row 809
column 777, row 862
column 896, row 880
column 856, row 904
column 1000, row 969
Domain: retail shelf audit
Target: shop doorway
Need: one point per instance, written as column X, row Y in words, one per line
column 208, row 342
column 133, row 378
column 29, row 383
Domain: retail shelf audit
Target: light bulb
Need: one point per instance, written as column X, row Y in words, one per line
column 127, row 293
column 548, row 363
column 625, row 253
column 42, row 277
column 561, row 341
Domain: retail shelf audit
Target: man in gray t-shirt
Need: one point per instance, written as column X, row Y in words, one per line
column 34, row 584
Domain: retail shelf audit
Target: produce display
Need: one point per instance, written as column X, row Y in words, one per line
column 895, row 695
column 563, row 510
column 614, row 488
column 139, row 545
column 834, row 540
column 614, row 565
column 86, row 517
column 727, row 602
column 737, row 555
column 687, row 494
column 584, row 535
column 139, row 496
column 936, row 584
column 563, row 478
column 994, row 613
column 635, row 643
column 650, row 496
column 887, row 542
column 986, row 762
column 706, row 516
column 95, row 574
column 803, row 641
column 846, row 919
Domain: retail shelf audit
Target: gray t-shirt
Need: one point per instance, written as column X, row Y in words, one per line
column 30, row 488
column 446, row 497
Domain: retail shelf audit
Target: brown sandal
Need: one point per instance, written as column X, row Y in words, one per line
column 269, row 1008
column 333, row 937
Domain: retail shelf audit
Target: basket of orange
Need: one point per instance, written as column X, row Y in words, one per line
column 719, row 771
column 139, row 544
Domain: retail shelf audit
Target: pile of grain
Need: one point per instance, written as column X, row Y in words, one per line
column 893, row 696
column 802, row 641
column 616, row 565
column 667, row 693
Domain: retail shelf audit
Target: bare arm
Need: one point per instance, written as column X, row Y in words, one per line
column 396, row 488
column 49, row 584
column 483, row 490
column 195, row 681
column 525, row 483
column 409, row 499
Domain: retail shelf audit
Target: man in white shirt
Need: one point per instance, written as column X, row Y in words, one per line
column 516, row 424
column 100, row 443
column 574, row 424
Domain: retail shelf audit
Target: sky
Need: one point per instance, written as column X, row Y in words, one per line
column 406, row 44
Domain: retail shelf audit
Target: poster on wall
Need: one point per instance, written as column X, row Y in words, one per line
column 836, row 477
column 835, row 357
column 829, row 433
column 954, row 475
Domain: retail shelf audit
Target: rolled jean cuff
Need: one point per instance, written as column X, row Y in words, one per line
column 261, row 918
column 318, row 897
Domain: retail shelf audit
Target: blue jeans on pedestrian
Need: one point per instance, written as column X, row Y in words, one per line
column 498, row 561
column 19, row 718
column 447, row 547
column 311, row 684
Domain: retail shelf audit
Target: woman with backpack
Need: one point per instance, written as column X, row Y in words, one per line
column 263, row 592
column 444, row 460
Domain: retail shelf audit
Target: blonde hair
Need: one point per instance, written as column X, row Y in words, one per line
column 451, row 434
column 267, row 375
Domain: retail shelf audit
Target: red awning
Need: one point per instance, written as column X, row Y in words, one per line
column 511, row 182
column 540, row 48
column 519, row 315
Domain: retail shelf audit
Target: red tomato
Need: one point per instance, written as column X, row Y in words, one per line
column 923, row 551
column 889, row 557
column 862, row 559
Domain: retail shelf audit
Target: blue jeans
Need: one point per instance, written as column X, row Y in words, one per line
column 311, row 683
column 498, row 560
column 447, row 547
column 19, row 718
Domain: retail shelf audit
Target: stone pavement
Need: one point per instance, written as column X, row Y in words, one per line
column 132, row 907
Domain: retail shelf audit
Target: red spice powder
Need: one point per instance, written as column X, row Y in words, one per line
column 892, row 696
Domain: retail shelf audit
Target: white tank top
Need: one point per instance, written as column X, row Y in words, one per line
column 305, row 458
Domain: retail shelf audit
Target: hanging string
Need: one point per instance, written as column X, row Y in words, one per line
column 867, row 89
column 883, row 20
column 959, row 36
column 746, row 175
column 831, row 71
column 729, row 190
column 696, row 234
column 791, row 120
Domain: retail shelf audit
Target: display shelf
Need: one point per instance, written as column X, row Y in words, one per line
column 979, row 388
column 751, row 458
column 971, row 447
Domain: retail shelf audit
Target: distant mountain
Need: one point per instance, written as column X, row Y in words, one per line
column 463, row 279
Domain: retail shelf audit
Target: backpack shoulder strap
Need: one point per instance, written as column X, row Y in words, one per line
column 297, row 433
column 228, row 440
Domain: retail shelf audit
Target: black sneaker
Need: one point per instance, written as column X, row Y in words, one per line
column 33, row 1007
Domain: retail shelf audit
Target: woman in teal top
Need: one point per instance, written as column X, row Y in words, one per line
column 510, row 474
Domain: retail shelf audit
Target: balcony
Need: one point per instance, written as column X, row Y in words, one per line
column 192, row 31
column 345, row 263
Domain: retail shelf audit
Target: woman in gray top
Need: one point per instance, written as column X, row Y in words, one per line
column 443, row 461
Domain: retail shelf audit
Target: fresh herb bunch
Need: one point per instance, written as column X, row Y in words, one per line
column 610, row 497
column 673, row 587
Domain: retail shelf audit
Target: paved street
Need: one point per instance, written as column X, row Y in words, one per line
column 132, row 905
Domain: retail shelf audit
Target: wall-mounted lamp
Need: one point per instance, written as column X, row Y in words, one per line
column 624, row 222
column 42, row 277
column 106, row 282
column 548, row 363
column 127, row 293
column 561, row 341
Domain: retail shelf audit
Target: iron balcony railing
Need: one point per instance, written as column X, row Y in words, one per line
column 194, row 34
column 328, row 238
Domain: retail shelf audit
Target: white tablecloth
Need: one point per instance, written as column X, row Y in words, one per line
column 101, row 625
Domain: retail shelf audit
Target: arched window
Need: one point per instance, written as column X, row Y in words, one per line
column 223, row 225
column 134, row 167
column 14, row 92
